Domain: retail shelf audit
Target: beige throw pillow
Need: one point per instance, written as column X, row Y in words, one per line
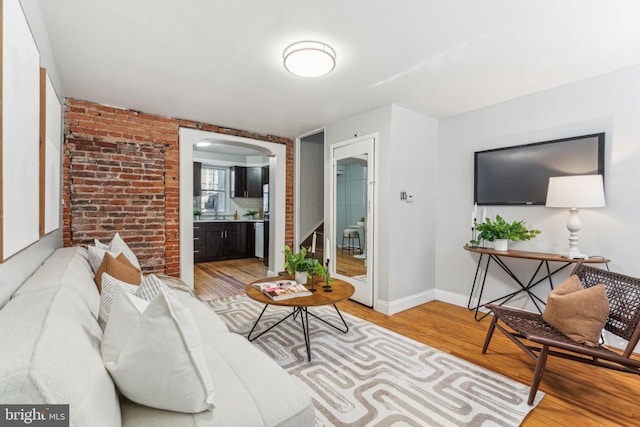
column 577, row 312
column 120, row 268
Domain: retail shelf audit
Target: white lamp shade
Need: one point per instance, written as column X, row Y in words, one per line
column 309, row 58
column 579, row 191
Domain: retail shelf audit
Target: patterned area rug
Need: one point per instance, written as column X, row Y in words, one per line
column 373, row 376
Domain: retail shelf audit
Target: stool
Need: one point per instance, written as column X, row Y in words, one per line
column 350, row 235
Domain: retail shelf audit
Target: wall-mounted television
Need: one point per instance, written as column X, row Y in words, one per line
column 519, row 175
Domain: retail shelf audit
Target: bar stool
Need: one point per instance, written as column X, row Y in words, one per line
column 350, row 235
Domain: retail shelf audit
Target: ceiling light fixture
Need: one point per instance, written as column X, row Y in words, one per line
column 309, row 58
column 203, row 144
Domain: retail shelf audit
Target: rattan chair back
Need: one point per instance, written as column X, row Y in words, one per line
column 623, row 293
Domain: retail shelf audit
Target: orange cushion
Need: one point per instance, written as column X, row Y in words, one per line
column 120, row 268
column 577, row 312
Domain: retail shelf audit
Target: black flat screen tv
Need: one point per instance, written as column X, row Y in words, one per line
column 519, row 175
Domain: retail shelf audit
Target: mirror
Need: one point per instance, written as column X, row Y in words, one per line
column 352, row 190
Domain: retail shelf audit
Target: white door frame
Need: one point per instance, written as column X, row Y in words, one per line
column 365, row 296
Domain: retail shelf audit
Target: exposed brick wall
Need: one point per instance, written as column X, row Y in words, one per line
column 121, row 173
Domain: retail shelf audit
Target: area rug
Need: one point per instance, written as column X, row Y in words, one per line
column 372, row 376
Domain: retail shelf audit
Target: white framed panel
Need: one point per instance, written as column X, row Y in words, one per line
column 50, row 159
column 20, row 132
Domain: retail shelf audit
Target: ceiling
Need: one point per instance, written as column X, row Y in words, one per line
column 220, row 62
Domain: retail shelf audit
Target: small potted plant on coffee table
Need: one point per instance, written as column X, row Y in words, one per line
column 302, row 267
column 500, row 232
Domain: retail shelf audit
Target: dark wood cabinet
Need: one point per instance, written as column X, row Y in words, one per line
column 265, row 175
column 197, row 178
column 214, row 241
column 200, row 242
column 237, row 181
column 254, row 182
column 246, row 181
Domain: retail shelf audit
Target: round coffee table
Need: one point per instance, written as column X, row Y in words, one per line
column 324, row 294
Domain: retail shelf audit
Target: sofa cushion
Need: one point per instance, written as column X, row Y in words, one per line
column 251, row 390
column 69, row 268
column 119, row 268
column 50, row 354
column 578, row 313
column 154, row 352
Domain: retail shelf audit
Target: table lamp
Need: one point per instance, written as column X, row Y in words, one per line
column 574, row 192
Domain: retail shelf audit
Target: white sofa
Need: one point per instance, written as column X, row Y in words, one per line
column 50, row 354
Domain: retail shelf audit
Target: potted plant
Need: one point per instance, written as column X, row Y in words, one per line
column 500, row 232
column 361, row 222
column 196, row 214
column 250, row 213
column 302, row 267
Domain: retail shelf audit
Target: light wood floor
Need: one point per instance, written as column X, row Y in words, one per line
column 576, row 394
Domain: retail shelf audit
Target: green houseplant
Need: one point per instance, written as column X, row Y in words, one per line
column 499, row 229
column 299, row 263
column 251, row 213
column 197, row 213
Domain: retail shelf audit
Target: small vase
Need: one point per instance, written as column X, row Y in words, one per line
column 301, row 277
column 501, row 245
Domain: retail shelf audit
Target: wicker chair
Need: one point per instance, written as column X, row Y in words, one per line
column 623, row 293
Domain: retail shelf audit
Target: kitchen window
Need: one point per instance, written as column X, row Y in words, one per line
column 213, row 186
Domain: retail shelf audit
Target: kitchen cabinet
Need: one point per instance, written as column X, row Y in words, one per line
column 265, row 175
column 197, row 178
column 199, row 242
column 214, row 241
column 246, row 181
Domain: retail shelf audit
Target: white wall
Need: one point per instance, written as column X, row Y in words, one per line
column 18, row 268
column 412, row 225
column 406, row 154
column 608, row 103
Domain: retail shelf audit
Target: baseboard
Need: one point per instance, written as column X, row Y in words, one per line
column 390, row 308
column 424, row 297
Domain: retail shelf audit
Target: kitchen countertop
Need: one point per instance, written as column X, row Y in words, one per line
column 227, row 220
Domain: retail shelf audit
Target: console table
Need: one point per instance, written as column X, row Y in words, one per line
column 498, row 257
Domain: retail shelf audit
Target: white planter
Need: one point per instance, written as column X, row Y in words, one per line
column 501, row 245
column 301, row 277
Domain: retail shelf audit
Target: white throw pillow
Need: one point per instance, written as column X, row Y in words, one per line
column 100, row 245
column 96, row 254
column 148, row 289
column 119, row 246
column 115, row 248
column 154, row 352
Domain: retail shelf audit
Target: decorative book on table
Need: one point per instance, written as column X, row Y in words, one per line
column 282, row 289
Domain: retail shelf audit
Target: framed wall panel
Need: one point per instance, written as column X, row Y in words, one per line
column 19, row 144
column 50, row 143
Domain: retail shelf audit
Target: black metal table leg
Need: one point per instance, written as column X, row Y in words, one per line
column 270, row 327
column 304, row 314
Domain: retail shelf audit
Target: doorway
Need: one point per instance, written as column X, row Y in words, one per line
column 277, row 198
column 352, row 209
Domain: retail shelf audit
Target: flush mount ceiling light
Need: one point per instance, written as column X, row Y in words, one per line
column 309, row 59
